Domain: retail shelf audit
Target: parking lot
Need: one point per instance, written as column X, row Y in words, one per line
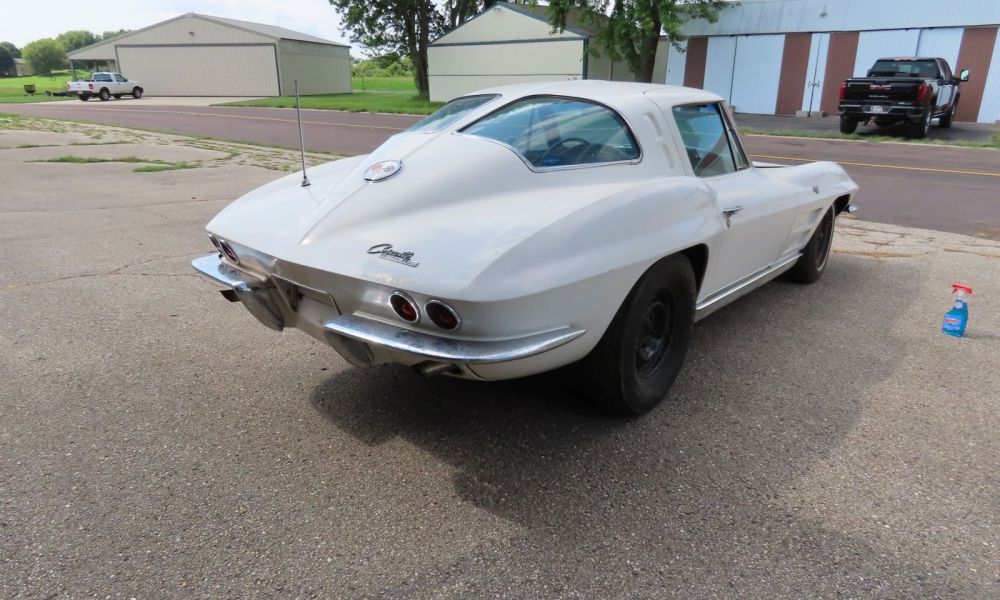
column 157, row 442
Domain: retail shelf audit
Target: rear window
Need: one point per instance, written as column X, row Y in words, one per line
column 451, row 112
column 551, row 132
column 925, row 69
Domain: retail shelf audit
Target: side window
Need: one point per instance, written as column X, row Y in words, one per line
column 735, row 144
column 703, row 130
column 102, row 77
column 120, row 79
column 558, row 132
column 946, row 73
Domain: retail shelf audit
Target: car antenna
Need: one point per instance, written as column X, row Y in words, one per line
column 302, row 141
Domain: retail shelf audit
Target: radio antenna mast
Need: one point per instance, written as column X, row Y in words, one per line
column 302, row 141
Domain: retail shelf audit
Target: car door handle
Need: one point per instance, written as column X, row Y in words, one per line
column 729, row 212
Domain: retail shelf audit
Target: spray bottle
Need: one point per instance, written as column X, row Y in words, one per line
column 958, row 317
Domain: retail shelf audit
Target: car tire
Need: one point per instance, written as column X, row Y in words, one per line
column 815, row 256
column 83, row 97
column 640, row 355
column 920, row 129
column 945, row 121
column 137, row 93
column 104, row 95
column 848, row 125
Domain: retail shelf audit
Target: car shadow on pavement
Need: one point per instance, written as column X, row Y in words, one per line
column 696, row 498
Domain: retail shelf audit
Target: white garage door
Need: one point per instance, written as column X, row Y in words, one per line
column 756, row 73
column 719, row 65
column 460, row 69
column 202, row 70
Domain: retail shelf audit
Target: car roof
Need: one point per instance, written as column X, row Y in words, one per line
column 611, row 93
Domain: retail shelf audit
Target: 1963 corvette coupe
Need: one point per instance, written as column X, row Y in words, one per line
column 527, row 227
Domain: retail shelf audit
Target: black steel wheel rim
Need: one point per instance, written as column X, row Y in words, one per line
column 655, row 335
column 824, row 239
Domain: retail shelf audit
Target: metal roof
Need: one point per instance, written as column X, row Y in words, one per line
column 271, row 31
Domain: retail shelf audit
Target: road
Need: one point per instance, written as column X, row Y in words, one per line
column 822, row 441
column 918, row 185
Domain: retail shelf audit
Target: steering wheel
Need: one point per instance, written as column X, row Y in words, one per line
column 582, row 144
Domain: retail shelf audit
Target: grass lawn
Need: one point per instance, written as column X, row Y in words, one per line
column 12, row 88
column 380, row 94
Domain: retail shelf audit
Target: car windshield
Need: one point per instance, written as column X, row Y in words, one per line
column 926, row 69
column 558, row 132
column 451, row 112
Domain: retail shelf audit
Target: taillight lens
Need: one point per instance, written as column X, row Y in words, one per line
column 228, row 251
column 843, row 90
column 442, row 315
column 922, row 92
column 404, row 307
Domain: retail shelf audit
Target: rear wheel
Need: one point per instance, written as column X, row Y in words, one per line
column 810, row 266
column 636, row 362
column 920, row 129
column 848, row 125
column 104, row 95
column 137, row 93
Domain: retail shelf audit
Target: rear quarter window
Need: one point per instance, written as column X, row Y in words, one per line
column 552, row 132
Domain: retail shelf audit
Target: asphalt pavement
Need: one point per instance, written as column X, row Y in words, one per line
column 942, row 188
column 822, row 441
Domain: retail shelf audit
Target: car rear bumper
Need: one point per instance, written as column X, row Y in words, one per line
column 366, row 341
column 867, row 110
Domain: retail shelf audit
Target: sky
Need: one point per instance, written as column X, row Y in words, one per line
column 22, row 21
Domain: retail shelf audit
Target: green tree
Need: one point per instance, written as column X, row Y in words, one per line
column 404, row 27
column 71, row 40
column 7, row 67
column 107, row 35
column 45, row 55
column 11, row 48
column 632, row 29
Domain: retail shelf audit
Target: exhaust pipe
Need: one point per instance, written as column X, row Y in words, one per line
column 432, row 369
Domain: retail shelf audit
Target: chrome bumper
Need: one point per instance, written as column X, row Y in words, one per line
column 355, row 337
column 431, row 347
column 253, row 292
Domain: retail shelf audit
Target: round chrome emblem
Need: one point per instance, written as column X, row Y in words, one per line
column 383, row 170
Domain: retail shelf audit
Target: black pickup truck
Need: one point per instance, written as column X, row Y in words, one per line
column 902, row 90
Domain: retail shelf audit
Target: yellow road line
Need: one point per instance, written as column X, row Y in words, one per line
column 877, row 166
column 201, row 114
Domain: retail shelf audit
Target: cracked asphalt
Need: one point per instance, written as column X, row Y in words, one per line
column 822, row 441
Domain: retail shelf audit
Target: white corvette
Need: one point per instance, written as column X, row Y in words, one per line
column 528, row 227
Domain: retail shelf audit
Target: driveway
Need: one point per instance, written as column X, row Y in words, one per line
column 822, row 441
column 916, row 185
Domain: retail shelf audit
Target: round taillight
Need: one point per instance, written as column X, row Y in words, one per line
column 404, row 307
column 442, row 315
column 228, row 251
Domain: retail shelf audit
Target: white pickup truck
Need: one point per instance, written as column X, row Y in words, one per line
column 104, row 85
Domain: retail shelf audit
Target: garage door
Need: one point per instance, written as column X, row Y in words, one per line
column 756, row 73
column 205, row 70
column 460, row 69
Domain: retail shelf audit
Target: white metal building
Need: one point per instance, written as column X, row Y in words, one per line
column 514, row 43
column 199, row 55
column 786, row 56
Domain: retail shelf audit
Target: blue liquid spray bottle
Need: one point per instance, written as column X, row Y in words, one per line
column 958, row 317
